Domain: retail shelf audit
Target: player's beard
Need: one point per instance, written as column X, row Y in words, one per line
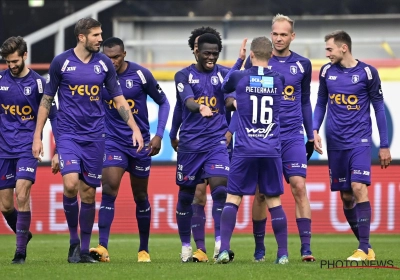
column 16, row 72
column 90, row 48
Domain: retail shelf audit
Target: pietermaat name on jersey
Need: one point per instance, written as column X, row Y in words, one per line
column 260, row 90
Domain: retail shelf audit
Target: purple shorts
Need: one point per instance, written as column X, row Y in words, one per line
column 246, row 173
column 82, row 157
column 294, row 159
column 347, row 166
column 127, row 158
column 193, row 168
column 14, row 169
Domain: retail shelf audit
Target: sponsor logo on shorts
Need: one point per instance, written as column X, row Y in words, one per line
column 7, row 176
column 26, row 169
column 61, row 164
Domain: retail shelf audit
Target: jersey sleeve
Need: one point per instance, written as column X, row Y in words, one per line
column 231, row 82
column 376, row 96
column 153, row 89
column 111, row 82
column 176, row 119
column 305, row 101
column 53, row 77
column 183, row 87
column 320, row 107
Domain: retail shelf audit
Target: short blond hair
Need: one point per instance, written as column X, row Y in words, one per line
column 280, row 17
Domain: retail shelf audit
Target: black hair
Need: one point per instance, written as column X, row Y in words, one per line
column 113, row 41
column 84, row 25
column 12, row 45
column 210, row 39
column 200, row 31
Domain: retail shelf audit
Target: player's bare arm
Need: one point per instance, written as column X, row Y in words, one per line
column 44, row 109
column 230, row 103
column 194, row 107
column 126, row 114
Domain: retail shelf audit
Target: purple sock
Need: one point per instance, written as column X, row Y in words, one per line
column 351, row 216
column 228, row 222
column 86, row 221
column 106, row 217
column 259, row 233
column 143, row 218
column 363, row 210
column 219, row 197
column 23, row 224
column 304, row 227
column 11, row 219
column 198, row 226
column 71, row 211
column 279, row 225
column 184, row 213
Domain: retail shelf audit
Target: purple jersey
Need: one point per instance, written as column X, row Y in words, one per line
column 258, row 97
column 295, row 104
column 81, row 112
column 348, row 93
column 19, row 99
column 199, row 134
column 136, row 82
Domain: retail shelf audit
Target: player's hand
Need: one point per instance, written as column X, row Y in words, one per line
column 37, row 149
column 228, row 136
column 55, row 167
column 317, row 143
column 384, row 157
column 174, row 144
column 154, row 146
column 137, row 139
column 309, row 148
column 242, row 53
column 205, row 111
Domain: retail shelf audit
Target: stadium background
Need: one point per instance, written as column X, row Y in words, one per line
column 156, row 33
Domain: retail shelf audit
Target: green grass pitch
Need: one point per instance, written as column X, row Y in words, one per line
column 47, row 259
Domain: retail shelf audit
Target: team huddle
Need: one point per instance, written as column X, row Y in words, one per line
column 264, row 100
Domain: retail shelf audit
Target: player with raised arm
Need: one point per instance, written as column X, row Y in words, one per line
column 200, row 197
column 21, row 90
column 347, row 87
column 256, row 161
column 202, row 152
column 137, row 83
column 296, row 112
column 78, row 75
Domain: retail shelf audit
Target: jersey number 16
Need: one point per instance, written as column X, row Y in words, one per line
column 265, row 109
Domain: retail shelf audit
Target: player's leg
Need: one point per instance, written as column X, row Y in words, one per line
column 242, row 180
column 271, row 185
column 294, row 169
column 199, row 221
column 259, row 217
column 216, row 169
column 25, row 177
column 111, row 180
column 139, row 169
column 188, row 175
column 92, row 156
column 360, row 173
column 7, row 185
column 115, row 162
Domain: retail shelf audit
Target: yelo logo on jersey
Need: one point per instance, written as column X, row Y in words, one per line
column 24, row 112
column 342, row 99
column 210, row 102
column 92, row 91
column 131, row 103
column 288, row 93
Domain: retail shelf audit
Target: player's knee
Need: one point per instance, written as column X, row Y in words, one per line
column 298, row 188
column 200, row 197
column 7, row 209
column 347, row 199
column 185, row 196
column 219, row 194
column 259, row 199
column 140, row 196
